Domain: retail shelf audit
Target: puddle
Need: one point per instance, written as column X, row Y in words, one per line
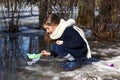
column 13, row 52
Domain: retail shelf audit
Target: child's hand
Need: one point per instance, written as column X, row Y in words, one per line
column 59, row 42
column 45, row 53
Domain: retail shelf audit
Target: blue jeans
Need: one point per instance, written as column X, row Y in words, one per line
column 63, row 51
column 58, row 50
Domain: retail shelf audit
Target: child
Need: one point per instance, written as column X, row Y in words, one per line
column 70, row 42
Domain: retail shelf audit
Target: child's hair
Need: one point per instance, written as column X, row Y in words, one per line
column 50, row 20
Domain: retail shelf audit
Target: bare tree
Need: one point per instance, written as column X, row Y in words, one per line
column 106, row 24
column 11, row 14
column 43, row 7
column 64, row 8
column 86, row 12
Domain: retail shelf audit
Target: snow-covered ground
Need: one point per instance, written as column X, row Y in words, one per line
column 26, row 19
column 48, row 68
column 104, row 68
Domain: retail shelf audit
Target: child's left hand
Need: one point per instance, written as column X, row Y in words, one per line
column 59, row 42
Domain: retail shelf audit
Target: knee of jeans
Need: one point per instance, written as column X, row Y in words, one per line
column 60, row 49
column 56, row 48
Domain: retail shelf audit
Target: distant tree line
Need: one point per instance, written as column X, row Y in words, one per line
column 101, row 16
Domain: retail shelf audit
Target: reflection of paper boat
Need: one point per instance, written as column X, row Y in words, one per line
column 34, row 56
column 33, row 61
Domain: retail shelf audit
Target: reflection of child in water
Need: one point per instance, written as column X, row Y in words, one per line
column 70, row 42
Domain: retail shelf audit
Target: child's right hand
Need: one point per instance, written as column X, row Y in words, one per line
column 45, row 53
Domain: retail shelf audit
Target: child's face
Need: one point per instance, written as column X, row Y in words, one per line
column 49, row 29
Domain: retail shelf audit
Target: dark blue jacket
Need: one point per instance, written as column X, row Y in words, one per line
column 74, row 43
